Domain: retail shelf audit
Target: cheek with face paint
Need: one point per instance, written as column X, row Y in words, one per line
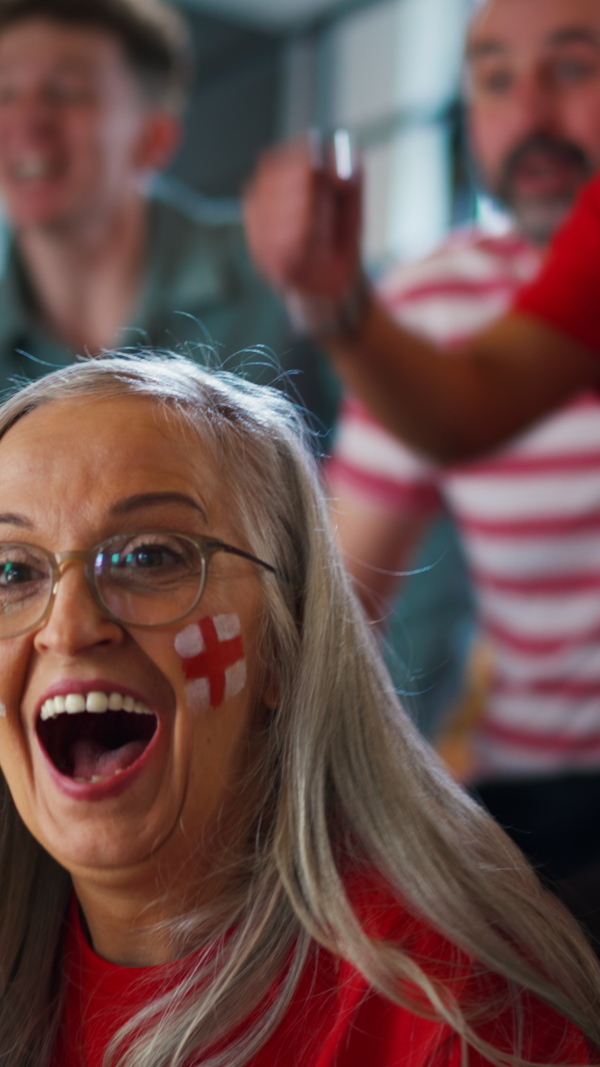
column 213, row 660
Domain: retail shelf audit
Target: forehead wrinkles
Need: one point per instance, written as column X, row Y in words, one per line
column 111, row 436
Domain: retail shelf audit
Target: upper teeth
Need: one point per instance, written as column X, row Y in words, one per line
column 96, row 702
column 33, row 167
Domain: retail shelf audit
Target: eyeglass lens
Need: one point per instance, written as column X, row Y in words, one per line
column 148, row 579
column 25, row 587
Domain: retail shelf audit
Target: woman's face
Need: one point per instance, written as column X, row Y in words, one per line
column 71, row 475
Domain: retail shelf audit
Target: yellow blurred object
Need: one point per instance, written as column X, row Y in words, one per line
column 454, row 743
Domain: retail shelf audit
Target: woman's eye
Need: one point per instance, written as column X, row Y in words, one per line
column 22, row 575
column 150, row 556
column 15, row 573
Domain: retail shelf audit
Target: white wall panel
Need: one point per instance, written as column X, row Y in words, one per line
column 420, row 203
column 363, row 55
column 390, row 69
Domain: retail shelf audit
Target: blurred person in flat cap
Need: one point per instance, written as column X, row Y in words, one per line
column 91, row 96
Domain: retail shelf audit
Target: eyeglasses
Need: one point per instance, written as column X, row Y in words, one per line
column 144, row 579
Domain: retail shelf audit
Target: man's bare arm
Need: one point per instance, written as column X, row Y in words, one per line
column 453, row 408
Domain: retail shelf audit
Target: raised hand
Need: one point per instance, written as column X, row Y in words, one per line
column 302, row 212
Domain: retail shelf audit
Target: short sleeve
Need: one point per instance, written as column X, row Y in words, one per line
column 374, row 467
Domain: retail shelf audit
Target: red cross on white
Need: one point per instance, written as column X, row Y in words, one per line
column 212, row 651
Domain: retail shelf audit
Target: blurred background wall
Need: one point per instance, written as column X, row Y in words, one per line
column 387, row 69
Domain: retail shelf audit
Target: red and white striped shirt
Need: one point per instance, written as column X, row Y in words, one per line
column 529, row 517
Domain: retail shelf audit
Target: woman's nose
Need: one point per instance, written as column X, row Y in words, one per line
column 76, row 621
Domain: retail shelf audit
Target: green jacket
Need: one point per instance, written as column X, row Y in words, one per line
column 199, row 295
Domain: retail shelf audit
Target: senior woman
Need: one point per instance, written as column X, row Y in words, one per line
column 222, row 843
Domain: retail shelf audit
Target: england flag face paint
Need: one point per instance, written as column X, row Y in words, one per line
column 213, row 660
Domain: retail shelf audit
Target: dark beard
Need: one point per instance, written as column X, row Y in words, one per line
column 538, row 217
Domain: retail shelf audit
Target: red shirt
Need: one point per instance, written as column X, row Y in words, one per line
column 334, row 1019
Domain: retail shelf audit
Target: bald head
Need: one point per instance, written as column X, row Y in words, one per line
column 531, row 14
column 533, row 87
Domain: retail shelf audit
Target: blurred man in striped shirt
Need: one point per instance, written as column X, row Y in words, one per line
column 529, row 513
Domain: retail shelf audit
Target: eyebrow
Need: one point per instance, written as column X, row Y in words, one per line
column 122, row 507
column 567, row 35
column 144, row 500
column 12, row 519
column 575, row 35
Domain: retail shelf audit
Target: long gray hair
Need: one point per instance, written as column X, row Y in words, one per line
column 348, row 785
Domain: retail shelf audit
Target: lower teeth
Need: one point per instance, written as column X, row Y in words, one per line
column 99, row 777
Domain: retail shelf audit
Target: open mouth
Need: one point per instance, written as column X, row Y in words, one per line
column 94, row 736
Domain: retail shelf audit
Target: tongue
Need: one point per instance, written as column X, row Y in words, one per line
column 89, row 759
